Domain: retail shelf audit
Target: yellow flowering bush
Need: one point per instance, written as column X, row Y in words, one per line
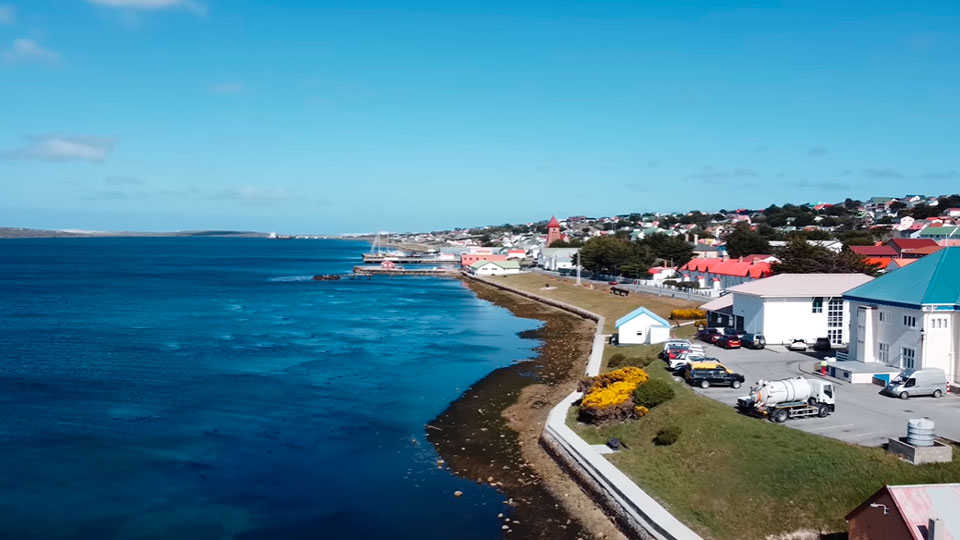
column 687, row 314
column 610, row 396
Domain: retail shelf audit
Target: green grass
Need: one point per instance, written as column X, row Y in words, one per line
column 598, row 300
column 735, row 477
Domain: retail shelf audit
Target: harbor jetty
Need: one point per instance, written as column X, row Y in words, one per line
column 393, row 270
column 407, row 259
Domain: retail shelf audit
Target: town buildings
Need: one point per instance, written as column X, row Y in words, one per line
column 788, row 306
column 557, row 259
column 909, row 318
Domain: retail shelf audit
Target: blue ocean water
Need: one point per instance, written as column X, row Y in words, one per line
column 205, row 388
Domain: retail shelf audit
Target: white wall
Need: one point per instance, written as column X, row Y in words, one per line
column 783, row 319
column 938, row 348
column 493, row 270
column 642, row 330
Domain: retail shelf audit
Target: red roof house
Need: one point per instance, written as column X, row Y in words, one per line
column 904, row 246
column 907, row 513
column 874, row 251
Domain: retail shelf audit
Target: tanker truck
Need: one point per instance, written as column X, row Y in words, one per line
column 789, row 398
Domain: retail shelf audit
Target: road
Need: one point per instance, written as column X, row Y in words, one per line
column 863, row 416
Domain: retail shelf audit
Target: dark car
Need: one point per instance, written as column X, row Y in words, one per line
column 822, row 344
column 753, row 341
column 733, row 332
column 729, row 342
column 710, row 335
column 707, row 374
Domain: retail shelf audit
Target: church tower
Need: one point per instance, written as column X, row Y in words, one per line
column 553, row 231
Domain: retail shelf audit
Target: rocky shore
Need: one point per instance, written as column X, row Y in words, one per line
column 491, row 433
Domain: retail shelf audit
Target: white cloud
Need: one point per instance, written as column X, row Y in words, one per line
column 228, row 88
column 151, row 4
column 28, row 50
column 252, row 195
column 60, row 147
column 8, row 15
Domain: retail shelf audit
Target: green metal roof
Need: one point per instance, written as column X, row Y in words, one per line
column 940, row 231
column 934, row 279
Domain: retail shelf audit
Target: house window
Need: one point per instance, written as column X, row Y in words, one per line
column 835, row 313
column 910, row 321
column 883, row 352
column 817, row 305
column 884, row 316
column 907, row 356
column 835, row 335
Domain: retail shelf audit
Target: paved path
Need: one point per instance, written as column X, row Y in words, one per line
column 863, row 416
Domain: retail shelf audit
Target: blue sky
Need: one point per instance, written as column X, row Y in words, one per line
column 328, row 117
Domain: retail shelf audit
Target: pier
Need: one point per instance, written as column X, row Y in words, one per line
column 397, row 271
column 407, row 259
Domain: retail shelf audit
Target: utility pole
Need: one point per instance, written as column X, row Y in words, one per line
column 578, row 268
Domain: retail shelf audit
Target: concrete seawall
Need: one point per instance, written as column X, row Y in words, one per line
column 637, row 513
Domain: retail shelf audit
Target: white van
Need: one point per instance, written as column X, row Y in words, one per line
column 917, row 382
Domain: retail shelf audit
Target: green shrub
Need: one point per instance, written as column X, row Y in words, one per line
column 619, row 360
column 667, row 436
column 652, row 393
column 616, row 360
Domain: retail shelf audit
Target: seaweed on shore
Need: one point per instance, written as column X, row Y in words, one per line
column 481, row 434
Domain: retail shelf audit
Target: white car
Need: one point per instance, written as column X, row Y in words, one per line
column 690, row 356
column 672, row 342
column 797, row 345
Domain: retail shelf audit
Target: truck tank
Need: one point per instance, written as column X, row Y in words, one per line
column 769, row 393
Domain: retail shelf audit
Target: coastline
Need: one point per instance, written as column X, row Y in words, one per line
column 491, row 433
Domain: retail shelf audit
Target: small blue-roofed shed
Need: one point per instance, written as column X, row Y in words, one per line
column 642, row 327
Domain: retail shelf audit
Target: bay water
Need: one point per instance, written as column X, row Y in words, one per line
column 207, row 388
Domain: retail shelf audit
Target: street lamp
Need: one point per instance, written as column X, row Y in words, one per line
column 886, row 510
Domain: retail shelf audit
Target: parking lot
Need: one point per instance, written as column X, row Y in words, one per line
column 863, row 415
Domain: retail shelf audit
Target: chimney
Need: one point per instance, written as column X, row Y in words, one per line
column 696, row 238
column 935, row 529
column 741, row 258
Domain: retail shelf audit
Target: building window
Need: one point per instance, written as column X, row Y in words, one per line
column 907, row 356
column 883, row 352
column 835, row 313
column 835, row 335
column 817, row 305
column 910, row 321
column 884, row 317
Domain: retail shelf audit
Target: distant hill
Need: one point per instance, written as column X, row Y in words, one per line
column 19, row 232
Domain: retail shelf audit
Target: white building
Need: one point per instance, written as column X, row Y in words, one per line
column 910, row 318
column 788, row 306
column 557, row 258
column 494, row 268
column 642, row 327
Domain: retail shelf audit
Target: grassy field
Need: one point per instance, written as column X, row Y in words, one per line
column 598, row 300
column 735, row 477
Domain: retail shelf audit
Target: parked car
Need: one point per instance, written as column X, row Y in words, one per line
column 917, row 382
column 733, row 332
column 694, row 354
column 672, row 342
column 729, row 342
column 797, row 344
column 706, row 374
column 675, row 350
column 706, row 333
column 822, row 344
column 753, row 341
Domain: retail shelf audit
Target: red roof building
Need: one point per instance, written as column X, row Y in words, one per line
column 553, row 231
column 905, row 246
column 874, row 251
column 730, row 272
column 907, row 513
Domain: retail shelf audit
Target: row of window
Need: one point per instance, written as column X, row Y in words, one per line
column 908, row 356
column 910, row 321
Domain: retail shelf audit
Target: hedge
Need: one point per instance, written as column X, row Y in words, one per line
column 688, row 314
